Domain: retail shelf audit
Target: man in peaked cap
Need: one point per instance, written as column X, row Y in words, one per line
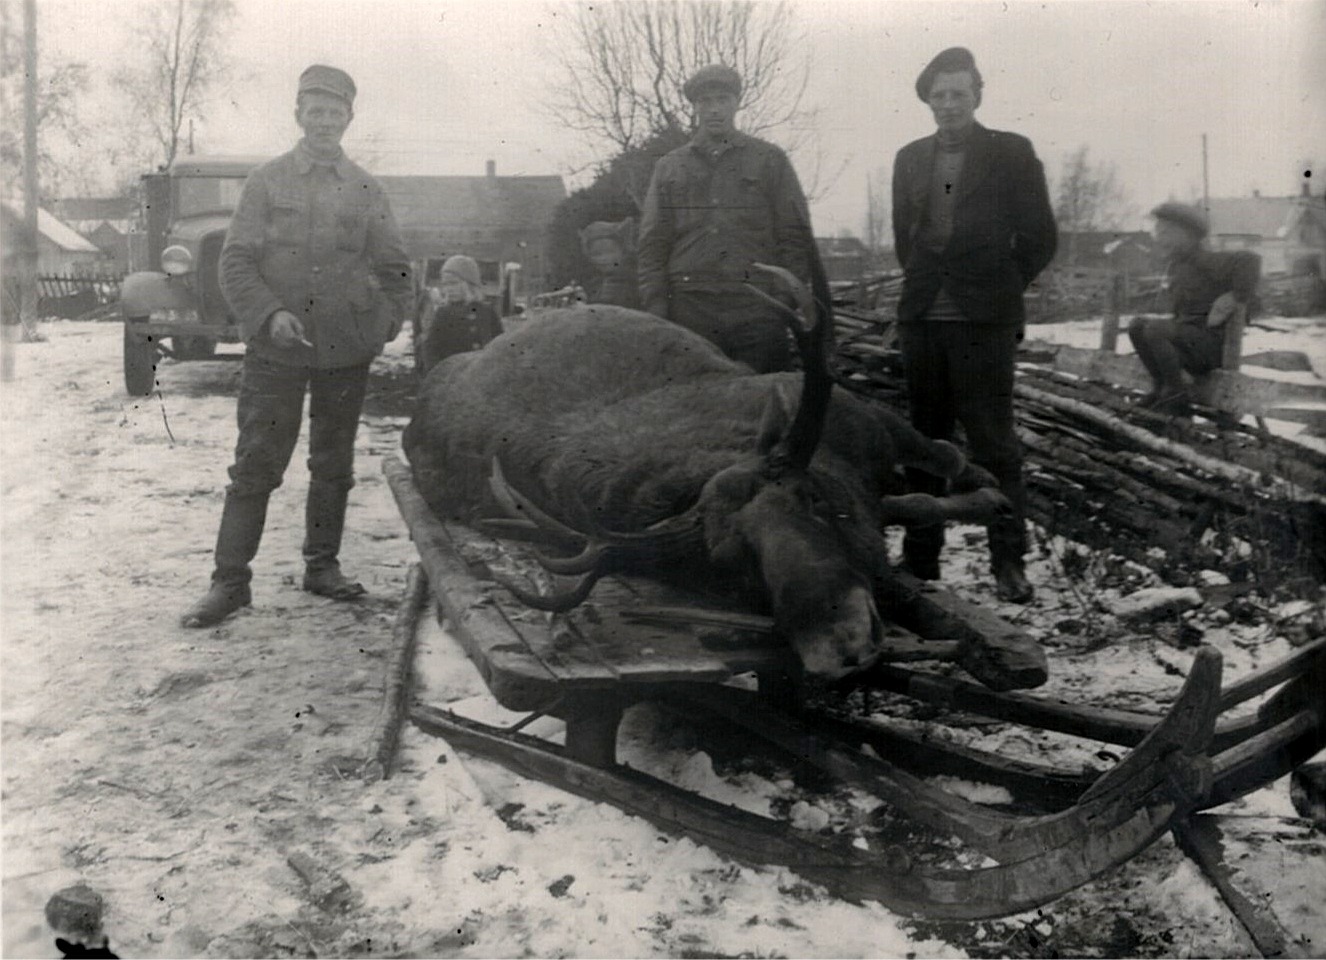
column 972, row 228
column 1207, row 290
column 715, row 206
column 314, row 271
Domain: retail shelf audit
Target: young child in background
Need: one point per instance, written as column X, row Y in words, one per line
column 460, row 319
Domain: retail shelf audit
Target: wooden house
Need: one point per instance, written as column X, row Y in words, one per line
column 61, row 250
column 496, row 220
column 1288, row 232
column 106, row 221
column 844, row 258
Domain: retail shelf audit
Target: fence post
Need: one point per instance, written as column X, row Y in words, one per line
column 1231, row 352
column 1109, row 331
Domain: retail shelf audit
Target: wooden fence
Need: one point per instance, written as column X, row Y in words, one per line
column 71, row 297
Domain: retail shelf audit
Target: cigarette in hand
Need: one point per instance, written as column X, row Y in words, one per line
column 305, row 343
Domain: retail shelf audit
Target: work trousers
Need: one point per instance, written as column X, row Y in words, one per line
column 271, row 407
column 958, row 371
column 744, row 326
column 1167, row 347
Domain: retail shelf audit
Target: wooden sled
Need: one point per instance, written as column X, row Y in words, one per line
column 631, row 645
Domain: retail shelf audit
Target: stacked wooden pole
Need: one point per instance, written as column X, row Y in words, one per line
column 1176, row 495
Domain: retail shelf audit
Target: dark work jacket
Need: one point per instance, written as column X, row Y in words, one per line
column 1003, row 228
column 1195, row 281
column 458, row 328
column 318, row 240
column 709, row 215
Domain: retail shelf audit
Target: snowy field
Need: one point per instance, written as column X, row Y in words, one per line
column 176, row 771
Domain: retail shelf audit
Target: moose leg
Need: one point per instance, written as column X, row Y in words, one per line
column 923, row 510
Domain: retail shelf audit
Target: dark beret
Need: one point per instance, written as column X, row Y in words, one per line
column 952, row 60
column 714, row 75
column 328, row 80
column 1188, row 217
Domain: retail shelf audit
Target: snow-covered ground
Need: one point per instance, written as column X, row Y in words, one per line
column 176, row 772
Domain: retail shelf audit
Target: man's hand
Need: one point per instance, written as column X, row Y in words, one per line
column 1224, row 309
column 285, row 330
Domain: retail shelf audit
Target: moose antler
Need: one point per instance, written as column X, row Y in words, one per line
column 673, row 538
column 811, row 325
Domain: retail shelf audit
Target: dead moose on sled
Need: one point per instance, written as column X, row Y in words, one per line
column 762, row 556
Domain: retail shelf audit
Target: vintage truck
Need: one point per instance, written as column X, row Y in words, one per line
column 176, row 309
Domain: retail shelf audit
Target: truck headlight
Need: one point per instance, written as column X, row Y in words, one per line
column 176, row 260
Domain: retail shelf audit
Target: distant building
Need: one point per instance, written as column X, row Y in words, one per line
column 106, row 221
column 1288, row 232
column 493, row 219
column 1131, row 253
column 61, row 250
column 844, row 258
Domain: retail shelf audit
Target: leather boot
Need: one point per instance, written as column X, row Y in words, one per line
column 242, row 520
column 324, row 522
column 1011, row 583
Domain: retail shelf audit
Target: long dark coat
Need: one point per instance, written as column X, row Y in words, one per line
column 1003, row 231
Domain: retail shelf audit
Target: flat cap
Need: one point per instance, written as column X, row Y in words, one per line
column 714, row 75
column 329, row 80
column 1186, row 216
column 952, row 60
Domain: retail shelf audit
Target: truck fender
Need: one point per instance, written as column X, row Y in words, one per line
column 147, row 291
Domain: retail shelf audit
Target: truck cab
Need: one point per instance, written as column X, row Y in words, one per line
column 171, row 302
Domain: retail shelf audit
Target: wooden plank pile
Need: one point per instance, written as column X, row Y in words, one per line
column 1178, row 496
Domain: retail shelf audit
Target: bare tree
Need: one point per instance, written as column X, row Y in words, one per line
column 181, row 58
column 878, row 229
column 623, row 65
column 59, row 85
column 1088, row 198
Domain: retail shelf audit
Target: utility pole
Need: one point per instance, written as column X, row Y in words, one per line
column 27, row 272
column 1206, row 181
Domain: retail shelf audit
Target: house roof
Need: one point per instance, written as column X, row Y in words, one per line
column 55, row 231
column 97, row 208
column 443, row 215
column 1260, row 216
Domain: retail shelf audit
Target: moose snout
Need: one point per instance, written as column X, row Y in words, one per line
column 845, row 642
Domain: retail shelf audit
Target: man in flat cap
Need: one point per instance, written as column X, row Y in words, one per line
column 972, row 227
column 315, row 273
column 715, row 206
column 1207, row 290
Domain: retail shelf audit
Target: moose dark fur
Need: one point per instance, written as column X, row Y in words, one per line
column 660, row 452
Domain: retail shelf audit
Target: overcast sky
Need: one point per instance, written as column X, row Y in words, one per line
column 444, row 86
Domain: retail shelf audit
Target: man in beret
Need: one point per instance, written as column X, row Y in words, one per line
column 315, row 273
column 1207, row 290
column 972, row 227
column 717, row 205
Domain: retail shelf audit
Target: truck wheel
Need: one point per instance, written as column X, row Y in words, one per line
column 194, row 348
column 140, row 362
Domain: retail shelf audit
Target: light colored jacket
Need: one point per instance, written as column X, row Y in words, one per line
column 317, row 239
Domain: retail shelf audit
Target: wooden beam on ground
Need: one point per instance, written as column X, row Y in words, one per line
column 1200, row 838
column 1228, row 390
